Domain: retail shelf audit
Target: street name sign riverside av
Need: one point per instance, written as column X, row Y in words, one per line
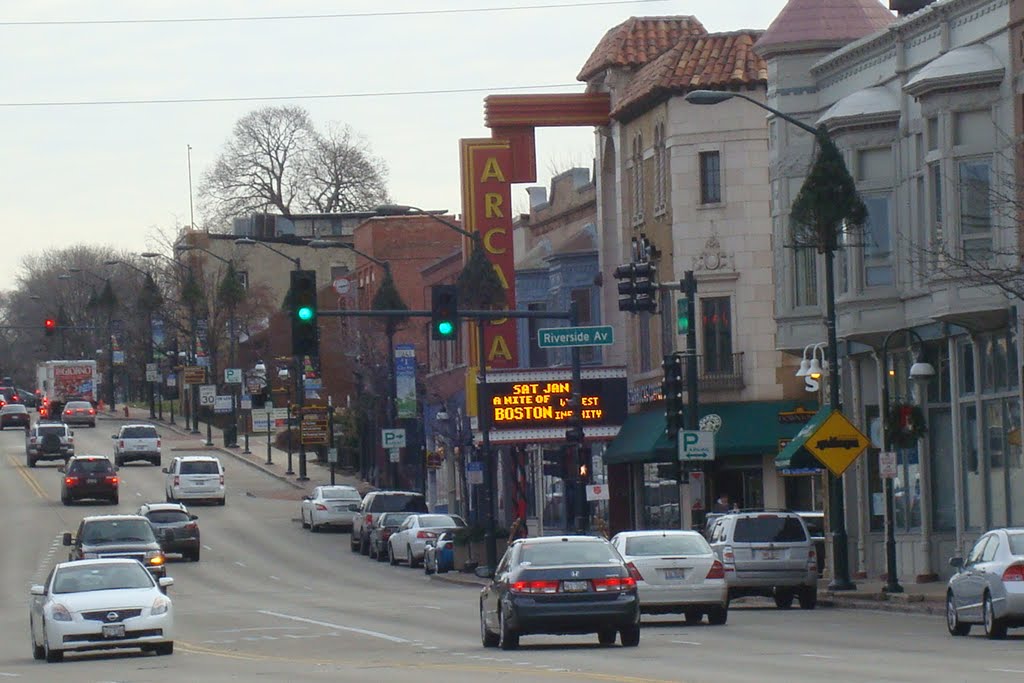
column 564, row 337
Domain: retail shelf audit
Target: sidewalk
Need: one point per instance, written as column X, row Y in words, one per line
column 183, row 439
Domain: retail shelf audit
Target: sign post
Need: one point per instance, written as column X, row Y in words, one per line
column 566, row 337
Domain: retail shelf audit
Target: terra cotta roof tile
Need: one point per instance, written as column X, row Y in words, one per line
column 637, row 41
column 715, row 61
column 828, row 21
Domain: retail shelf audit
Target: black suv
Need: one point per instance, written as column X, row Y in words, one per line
column 129, row 536
column 88, row 477
column 374, row 503
column 175, row 527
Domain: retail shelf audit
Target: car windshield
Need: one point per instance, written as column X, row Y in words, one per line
column 14, row 408
column 52, row 429
column 168, row 517
column 340, row 494
column 199, row 467
column 101, row 577
column 769, row 529
column 394, row 518
column 400, row 503
column 669, row 544
column 138, row 433
column 564, row 554
column 91, row 466
column 118, row 531
column 1016, row 544
column 440, row 521
column 78, row 405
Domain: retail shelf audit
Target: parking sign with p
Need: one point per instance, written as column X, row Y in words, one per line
column 696, row 445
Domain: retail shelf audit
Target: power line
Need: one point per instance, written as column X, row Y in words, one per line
column 302, row 17
column 272, row 98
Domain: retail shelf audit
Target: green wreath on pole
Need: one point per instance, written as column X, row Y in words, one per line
column 905, row 425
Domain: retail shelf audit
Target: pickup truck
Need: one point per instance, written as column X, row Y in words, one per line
column 136, row 442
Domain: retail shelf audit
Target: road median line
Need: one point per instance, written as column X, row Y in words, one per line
column 27, row 476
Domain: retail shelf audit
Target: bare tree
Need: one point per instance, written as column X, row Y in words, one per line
column 275, row 161
column 341, row 174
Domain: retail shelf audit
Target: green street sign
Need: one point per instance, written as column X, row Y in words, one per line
column 563, row 337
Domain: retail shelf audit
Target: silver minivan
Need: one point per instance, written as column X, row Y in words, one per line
column 769, row 554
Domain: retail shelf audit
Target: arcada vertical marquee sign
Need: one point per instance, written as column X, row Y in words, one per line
column 487, row 209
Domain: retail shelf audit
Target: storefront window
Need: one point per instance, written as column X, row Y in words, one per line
column 943, row 474
column 974, row 492
column 907, row 490
column 661, row 498
column 876, row 494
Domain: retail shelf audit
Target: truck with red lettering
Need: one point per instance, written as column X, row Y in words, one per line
column 60, row 381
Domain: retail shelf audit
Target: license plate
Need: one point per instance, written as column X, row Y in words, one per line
column 575, row 586
column 90, row 481
column 113, row 630
column 769, row 555
column 675, row 574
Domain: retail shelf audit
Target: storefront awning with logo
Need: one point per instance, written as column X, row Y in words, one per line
column 752, row 428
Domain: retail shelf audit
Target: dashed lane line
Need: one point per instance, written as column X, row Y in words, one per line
column 337, row 627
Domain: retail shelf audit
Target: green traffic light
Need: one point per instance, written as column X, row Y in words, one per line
column 445, row 328
column 305, row 313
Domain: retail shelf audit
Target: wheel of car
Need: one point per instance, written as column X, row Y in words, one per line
column 717, row 616
column 486, row 637
column 156, row 461
column 353, row 543
column 52, row 656
column 364, row 545
column 808, row 597
column 409, row 557
column 382, row 553
column 427, row 568
column 30, row 461
column 194, row 556
column 508, row 639
column 630, row 635
column 953, row 623
column 114, row 499
column 164, row 649
column 118, row 462
column 392, row 560
column 37, row 650
column 995, row 629
column 783, row 599
column 694, row 616
column 222, row 501
column 64, row 499
column 303, row 516
column 606, row 636
column 315, row 528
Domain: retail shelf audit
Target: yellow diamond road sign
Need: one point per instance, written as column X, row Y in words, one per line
column 837, row 443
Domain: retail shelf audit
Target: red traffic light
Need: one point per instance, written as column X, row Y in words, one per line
column 49, row 325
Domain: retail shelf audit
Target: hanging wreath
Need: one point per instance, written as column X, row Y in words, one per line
column 905, row 425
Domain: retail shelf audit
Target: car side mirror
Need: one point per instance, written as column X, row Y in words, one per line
column 165, row 582
column 66, row 538
column 113, row 436
column 37, row 590
column 956, row 562
column 193, row 517
column 484, row 572
column 61, row 469
column 354, row 507
column 164, row 470
column 307, row 498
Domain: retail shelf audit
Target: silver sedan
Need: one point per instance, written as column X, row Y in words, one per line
column 988, row 588
column 328, row 506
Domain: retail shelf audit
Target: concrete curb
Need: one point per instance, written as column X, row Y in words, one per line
column 907, row 604
column 458, row 579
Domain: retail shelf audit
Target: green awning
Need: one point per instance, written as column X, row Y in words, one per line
column 751, row 428
column 640, row 439
column 794, row 456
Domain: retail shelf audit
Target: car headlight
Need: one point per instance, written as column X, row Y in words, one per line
column 60, row 613
column 160, row 605
column 155, row 558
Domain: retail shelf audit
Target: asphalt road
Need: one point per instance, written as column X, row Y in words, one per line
column 272, row 602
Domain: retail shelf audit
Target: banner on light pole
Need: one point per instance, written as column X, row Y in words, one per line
column 405, row 380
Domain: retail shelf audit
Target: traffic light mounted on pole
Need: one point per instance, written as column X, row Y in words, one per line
column 444, row 312
column 305, row 333
column 49, row 327
column 638, row 287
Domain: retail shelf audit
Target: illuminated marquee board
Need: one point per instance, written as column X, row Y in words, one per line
column 545, row 403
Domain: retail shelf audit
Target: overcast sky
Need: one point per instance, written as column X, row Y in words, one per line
column 114, row 173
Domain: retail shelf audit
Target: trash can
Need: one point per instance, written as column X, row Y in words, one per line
column 231, row 435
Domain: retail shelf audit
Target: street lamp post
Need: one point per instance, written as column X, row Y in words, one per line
column 920, row 371
column 840, row 547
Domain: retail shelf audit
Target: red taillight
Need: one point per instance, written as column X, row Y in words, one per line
column 92, row 411
column 69, row 412
column 449, row 546
column 534, row 587
column 717, row 571
column 321, row 506
column 386, row 534
column 425, row 534
column 1015, row 572
column 158, row 443
column 728, row 558
column 177, row 481
column 113, row 480
column 368, row 520
column 120, row 444
column 614, row 583
column 812, row 559
column 634, row 572
column 191, row 526
column 70, row 481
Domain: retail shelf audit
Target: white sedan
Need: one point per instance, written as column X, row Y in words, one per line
column 328, row 506
column 675, row 572
column 409, row 543
column 100, row 605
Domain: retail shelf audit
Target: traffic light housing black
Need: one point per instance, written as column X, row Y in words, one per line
column 638, row 287
column 574, row 435
column 444, row 312
column 305, row 333
column 672, row 390
column 683, row 321
column 49, row 327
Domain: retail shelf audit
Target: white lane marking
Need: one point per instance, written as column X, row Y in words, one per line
column 814, row 656
column 1008, row 671
column 262, row 628
column 206, row 547
column 275, row 578
column 9, row 675
column 240, row 564
column 138, row 494
column 350, row 629
column 309, row 588
column 684, row 642
column 430, row 607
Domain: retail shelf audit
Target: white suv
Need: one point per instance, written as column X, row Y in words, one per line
column 136, row 442
column 195, row 477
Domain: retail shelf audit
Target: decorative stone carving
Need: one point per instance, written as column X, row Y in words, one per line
column 713, row 258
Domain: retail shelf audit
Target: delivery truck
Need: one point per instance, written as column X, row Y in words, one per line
column 60, row 381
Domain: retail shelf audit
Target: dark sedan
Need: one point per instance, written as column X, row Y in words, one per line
column 175, row 528
column 14, row 415
column 88, row 477
column 559, row 585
